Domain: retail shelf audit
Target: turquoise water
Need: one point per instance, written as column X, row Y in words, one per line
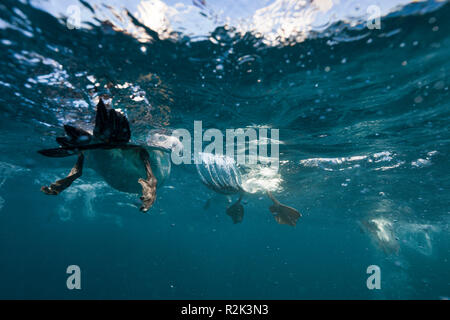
column 363, row 116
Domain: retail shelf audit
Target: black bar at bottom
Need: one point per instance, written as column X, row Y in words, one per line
column 216, row 309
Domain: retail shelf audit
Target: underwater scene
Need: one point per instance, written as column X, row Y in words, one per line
column 206, row 149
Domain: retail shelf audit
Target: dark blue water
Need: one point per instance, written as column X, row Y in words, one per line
column 364, row 121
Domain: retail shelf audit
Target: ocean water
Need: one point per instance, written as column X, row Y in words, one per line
column 363, row 117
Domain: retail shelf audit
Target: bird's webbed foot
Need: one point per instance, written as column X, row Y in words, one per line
column 282, row 213
column 236, row 211
column 58, row 186
column 148, row 185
